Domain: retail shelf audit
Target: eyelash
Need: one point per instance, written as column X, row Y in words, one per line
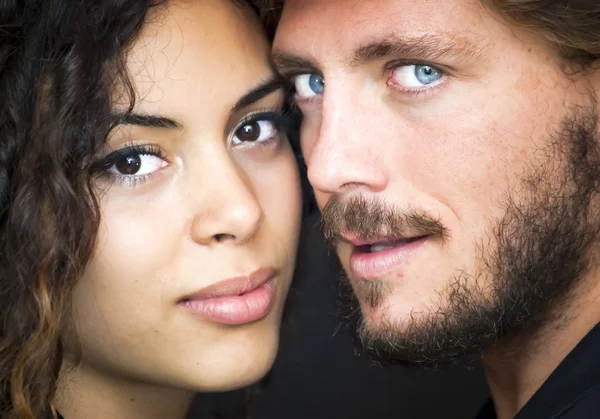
column 102, row 167
column 418, row 92
column 284, row 120
column 291, row 91
column 389, row 68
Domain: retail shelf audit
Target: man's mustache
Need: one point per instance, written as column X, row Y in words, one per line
column 372, row 218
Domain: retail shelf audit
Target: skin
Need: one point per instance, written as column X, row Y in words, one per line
column 451, row 149
column 211, row 210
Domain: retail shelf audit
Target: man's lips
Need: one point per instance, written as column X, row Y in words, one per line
column 235, row 301
column 386, row 244
column 373, row 258
column 387, row 241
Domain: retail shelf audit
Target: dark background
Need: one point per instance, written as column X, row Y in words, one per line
column 319, row 373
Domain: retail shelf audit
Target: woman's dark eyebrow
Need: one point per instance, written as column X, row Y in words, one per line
column 260, row 91
column 146, row 120
column 263, row 89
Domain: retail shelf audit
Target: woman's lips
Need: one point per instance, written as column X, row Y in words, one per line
column 235, row 301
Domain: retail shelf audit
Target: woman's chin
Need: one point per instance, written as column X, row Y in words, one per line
column 239, row 368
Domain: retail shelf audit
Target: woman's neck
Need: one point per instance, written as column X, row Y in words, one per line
column 85, row 393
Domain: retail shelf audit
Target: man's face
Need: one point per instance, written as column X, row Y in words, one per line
column 455, row 163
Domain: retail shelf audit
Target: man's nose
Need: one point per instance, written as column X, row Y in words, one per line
column 345, row 150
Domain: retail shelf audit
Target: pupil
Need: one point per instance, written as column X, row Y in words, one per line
column 129, row 165
column 316, row 83
column 427, row 74
column 249, row 132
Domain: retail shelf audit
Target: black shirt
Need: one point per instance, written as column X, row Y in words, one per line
column 571, row 392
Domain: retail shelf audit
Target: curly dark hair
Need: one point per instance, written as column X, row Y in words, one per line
column 59, row 63
column 572, row 27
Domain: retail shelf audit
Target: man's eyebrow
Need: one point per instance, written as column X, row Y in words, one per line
column 427, row 47
column 289, row 64
column 262, row 90
column 146, row 120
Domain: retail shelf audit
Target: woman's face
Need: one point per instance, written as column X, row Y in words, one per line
column 200, row 202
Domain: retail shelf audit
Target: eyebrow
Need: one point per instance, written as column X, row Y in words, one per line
column 426, row 47
column 146, row 120
column 263, row 89
column 288, row 64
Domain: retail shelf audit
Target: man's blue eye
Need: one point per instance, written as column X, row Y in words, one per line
column 316, row 83
column 415, row 76
column 427, row 74
column 309, row 85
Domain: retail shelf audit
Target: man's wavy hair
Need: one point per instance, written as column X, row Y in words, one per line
column 572, row 26
column 59, row 64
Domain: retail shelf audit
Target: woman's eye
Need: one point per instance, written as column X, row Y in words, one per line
column 137, row 164
column 415, row 76
column 255, row 132
column 309, row 85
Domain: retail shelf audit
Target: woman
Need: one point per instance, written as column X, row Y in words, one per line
column 150, row 206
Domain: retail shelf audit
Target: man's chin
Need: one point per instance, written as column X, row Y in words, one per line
column 396, row 331
column 406, row 343
column 392, row 328
column 382, row 304
column 385, row 315
column 393, row 319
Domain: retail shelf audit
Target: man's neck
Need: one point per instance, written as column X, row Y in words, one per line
column 84, row 393
column 516, row 371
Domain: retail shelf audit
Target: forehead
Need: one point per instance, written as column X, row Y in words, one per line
column 191, row 52
column 313, row 26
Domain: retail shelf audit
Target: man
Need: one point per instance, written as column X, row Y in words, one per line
column 453, row 149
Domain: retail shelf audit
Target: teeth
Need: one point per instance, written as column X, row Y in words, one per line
column 378, row 247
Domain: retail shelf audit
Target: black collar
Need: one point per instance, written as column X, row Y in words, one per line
column 576, row 376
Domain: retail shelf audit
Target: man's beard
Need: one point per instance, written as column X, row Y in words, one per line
column 536, row 254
